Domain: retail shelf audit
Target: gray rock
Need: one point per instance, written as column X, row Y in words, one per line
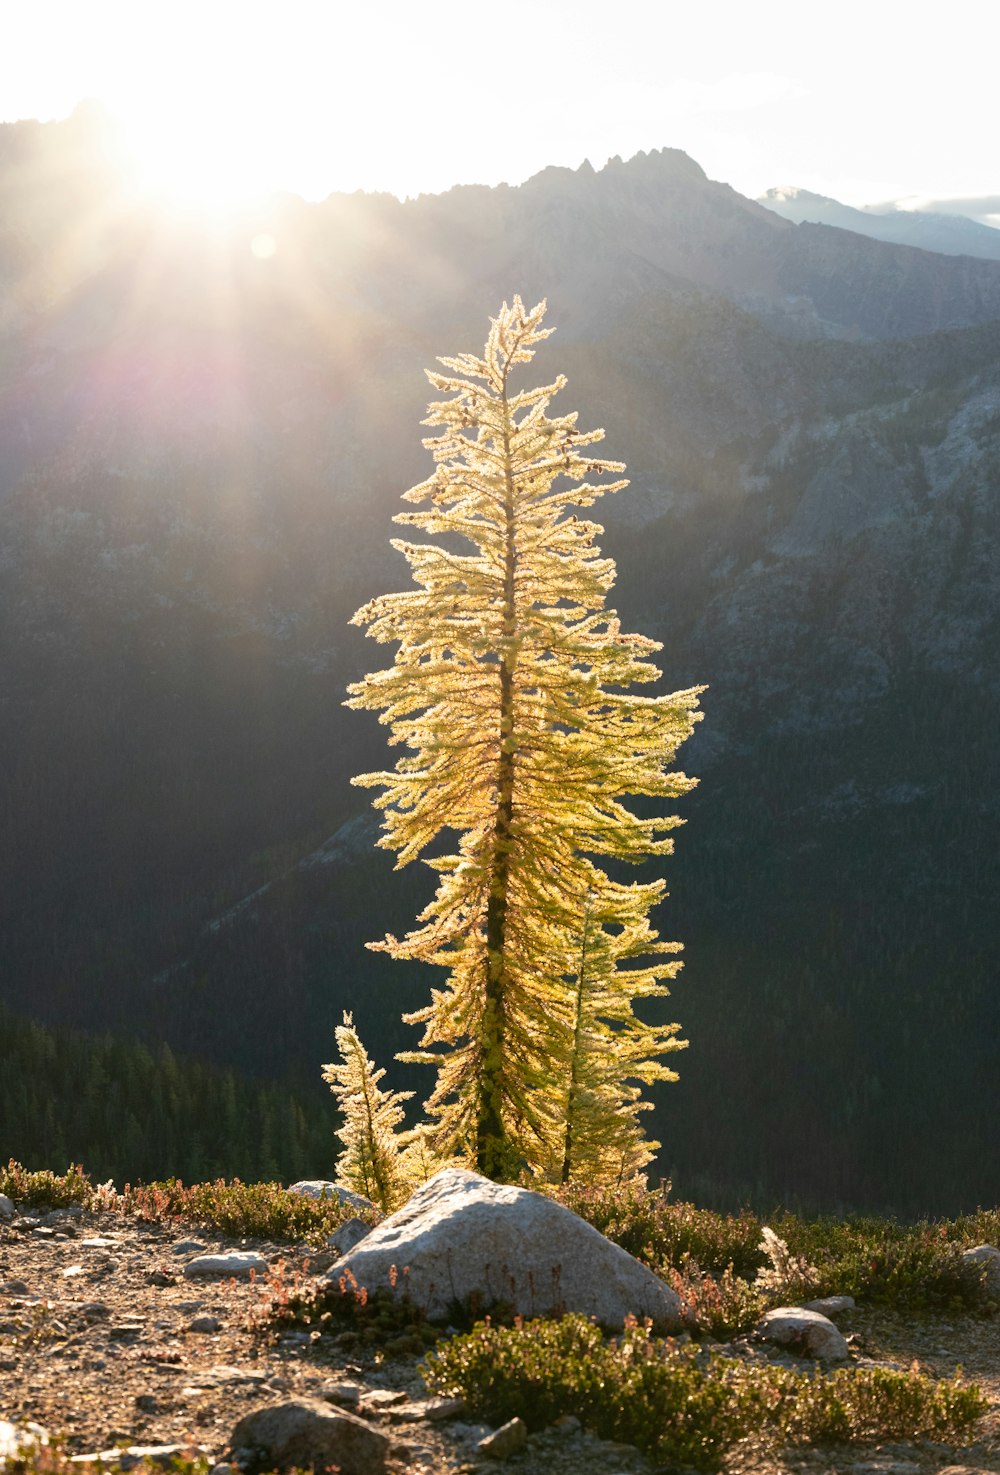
column 60, row 1217
column 188, row 1247
column 805, row 1332
column 989, row 1256
column 378, row 1399
column 307, row 1432
column 323, row 1188
column 344, row 1395
column 505, row 1441
column 6, row 1207
column 567, row 1425
column 436, row 1410
column 205, row 1324
column 830, row 1306
column 461, row 1236
column 238, row 1263
column 428, row 1411
column 350, row 1233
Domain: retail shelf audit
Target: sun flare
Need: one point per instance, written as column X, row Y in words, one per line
column 201, row 164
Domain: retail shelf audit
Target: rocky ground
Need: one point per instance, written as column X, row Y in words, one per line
column 106, row 1342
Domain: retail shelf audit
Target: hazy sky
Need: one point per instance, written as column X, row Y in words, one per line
column 864, row 101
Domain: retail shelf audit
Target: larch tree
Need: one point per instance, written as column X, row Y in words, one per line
column 371, row 1160
column 510, row 694
column 598, row 1137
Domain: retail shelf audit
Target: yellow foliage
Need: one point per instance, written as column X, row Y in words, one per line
column 509, row 694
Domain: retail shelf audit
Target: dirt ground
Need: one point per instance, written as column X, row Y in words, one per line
column 105, row 1343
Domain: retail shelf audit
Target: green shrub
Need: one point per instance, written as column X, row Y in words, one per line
column 863, row 1405
column 980, row 1228
column 385, row 1318
column 645, row 1392
column 662, row 1233
column 881, row 1262
column 255, row 1210
column 678, row 1405
column 46, row 1189
column 718, row 1306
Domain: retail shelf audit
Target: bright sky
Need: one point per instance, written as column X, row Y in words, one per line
column 865, row 100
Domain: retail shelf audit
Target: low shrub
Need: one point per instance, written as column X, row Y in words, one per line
column 654, row 1394
column 340, row 1308
column 254, row 1210
column 719, row 1306
column 661, row 1233
column 677, row 1404
column 880, row 1262
column 46, row 1189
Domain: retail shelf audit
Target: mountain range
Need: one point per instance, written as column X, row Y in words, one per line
column 202, row 450
column 930, row 230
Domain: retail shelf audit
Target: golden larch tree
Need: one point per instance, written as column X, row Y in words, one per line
column 510, row 694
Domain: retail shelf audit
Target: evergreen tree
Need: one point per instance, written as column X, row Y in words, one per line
column 599, row 1137
column 509, row 689
column 370, row 1160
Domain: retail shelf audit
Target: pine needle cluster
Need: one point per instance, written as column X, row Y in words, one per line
column 522, row 743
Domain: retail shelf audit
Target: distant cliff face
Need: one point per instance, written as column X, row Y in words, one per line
column 202, row 452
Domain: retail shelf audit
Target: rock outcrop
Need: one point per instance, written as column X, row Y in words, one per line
column 461, row 1236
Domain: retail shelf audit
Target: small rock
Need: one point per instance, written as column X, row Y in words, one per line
column 989, row 1256
column 6, row 1207
column 61, row 1217
column 805, row 1332
column 13, row 1288
column 831, row 1306
column 238, row 1263
column 567, row 1424
column 379, row 1398
column 146, row 1403
column 344, row 1395
column 70, row 1270
column 224, row 1374
column 42, row 1231
column 205, row 1324
column 98, row 1242
column 323, row 1188
column 188, row 1247
column 307, row 1432
column 350, row 1233
column 160, row 1278
column 505, row 1441
column 437, row 1409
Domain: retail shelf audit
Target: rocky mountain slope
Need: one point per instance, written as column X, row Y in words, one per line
column 953, row 235
column 202, row 452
